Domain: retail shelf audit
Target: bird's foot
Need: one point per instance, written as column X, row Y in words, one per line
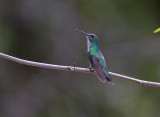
column 73, row 66
column 91, row 69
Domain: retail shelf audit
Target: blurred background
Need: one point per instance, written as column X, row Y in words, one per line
column 43, row 31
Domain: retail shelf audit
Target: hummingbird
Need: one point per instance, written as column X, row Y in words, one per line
column 97, row 61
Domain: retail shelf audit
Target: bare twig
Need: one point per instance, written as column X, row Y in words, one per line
column 76, row 69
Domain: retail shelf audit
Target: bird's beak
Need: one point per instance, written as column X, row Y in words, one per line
column 82, row 32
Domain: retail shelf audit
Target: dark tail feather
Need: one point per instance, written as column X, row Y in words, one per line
column 108, row 78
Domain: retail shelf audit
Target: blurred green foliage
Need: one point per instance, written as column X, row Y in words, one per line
column 44, row 31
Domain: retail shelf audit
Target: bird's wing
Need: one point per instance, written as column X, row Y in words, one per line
column 98, row 69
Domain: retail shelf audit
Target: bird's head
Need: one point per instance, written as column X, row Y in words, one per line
column 91, row 37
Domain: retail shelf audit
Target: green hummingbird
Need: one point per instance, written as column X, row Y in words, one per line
column 97, row 61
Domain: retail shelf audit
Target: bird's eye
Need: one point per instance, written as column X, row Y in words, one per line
column 92, row 36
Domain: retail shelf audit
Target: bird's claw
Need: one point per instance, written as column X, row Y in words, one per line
column 91, row 69
column 73, row 67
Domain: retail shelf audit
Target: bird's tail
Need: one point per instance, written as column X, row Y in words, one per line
column 108, row 78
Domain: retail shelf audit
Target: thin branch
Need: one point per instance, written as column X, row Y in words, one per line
column 76, row 69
